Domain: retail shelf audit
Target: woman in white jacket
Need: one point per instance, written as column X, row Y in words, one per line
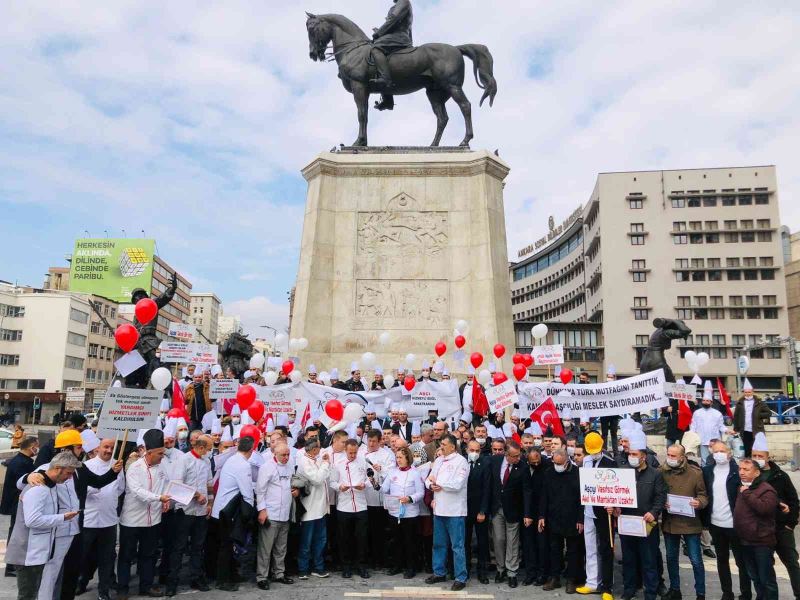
column 403, row 491
column 313, row 534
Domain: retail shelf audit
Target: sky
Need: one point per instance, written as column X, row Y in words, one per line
column 190, row 121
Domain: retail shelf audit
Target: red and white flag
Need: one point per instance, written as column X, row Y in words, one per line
column 546, row 414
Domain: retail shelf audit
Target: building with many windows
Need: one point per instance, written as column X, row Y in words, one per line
column 226, row 325
column 177, row 311
column 204, row 312
column 701, row 245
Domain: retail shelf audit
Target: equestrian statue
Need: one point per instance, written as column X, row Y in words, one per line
column 661, row 340
column 389, row 65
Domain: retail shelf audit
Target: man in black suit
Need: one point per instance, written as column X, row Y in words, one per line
column 403, row 427
column 478, row 495
column 535, row 544
column 507, row 508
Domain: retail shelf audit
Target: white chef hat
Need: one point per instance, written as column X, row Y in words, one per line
column 378, row 370
column 270, row 425
column 611, row 370
column 466, row 417
column 637, row 441
column 376, row 425
column 235, row 410
column 334, row 373
column 369, row 408
column 247, row 419
column 708, row 390
column 426, row 364
column 401, row 370
column 747, row 386
column 312, row 369
column 681, row 381
column 208, row 420
column 226, row 435
column 402, row 409
column 90, row 440
column 171, row 427
column 696, row 380
column 535, row 429
column 471, row 370
column 415, row 428
column 184, row 372
column 353, row 366
column 445, row 373
column 283, row 420
column 216, row 427
column 760, row 442
column 165, row 406
column 216, row 370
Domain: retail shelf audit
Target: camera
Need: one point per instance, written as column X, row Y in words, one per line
column 370, row 473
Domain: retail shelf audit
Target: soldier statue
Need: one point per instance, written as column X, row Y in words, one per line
column 393, row 35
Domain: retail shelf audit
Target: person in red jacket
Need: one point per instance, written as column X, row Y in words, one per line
column 754, row 520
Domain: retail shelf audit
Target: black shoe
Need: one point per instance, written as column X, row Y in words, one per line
column 458, row 586
column 82, row 587
column 364, row 574
column 512, row 582
column 482, row 578
column 435, row 579
column 540, row 581
column 171, row 591
column 701, row 597
column 103, row 597
column 409, row 574
column 672, row 595
column 228, row 587
column 709, row 552
column 662, row 590
column 528, row 581
column 500, row 577
column 200, row 585
column 284, row 580
column 394, row 571
column 347, row 574
column 263, row 584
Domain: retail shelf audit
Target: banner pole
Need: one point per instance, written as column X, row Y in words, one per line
column 610, row 531
column 122, row 447
column 116, row 439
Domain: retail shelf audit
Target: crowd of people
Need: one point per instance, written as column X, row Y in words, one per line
column 466, row 500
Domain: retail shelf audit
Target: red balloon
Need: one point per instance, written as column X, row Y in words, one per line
column 250, row 431
column 409, row 382
column 175, row 413
column 500, row 378
column 256, row 410
column 527, row 360
column 517, row 359
column 146, row 310
column 245, row 396
column 287, row 367
column 499, row 350
column 334, row 409
column 460, row 341
column 519, row 371
column 440, row 348
column 127, row 337
column 566, row 376
column 476, row 359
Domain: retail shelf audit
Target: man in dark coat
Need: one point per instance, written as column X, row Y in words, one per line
column 478, row 496
column 18, row 465
column 534, row 543
column 507, row 508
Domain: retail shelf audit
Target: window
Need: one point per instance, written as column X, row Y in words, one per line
column 642, row 340
column 747, row 223
column 730, row 225
column 695, row 225
column 764, row 236
column 95, row 328
column 753, row 313
column 641, row 314
column 750, row 275
column 681, row 275
column 731, row 238
column 76, row 339
column 773, row 352
column 693, row 202
column 700, row 301
column 719, row 353
column 639, row 276
column 679, row 226
column 767, row 274
column 684, row 313
column 710, row 201
column 745, row 200
column 762, row 199
column 92, row 352
column 732, row 262
column 73, row 362
column 728, row 200
column 635, row 203
column 698, row 263
column 681, row 263
column 737, row 313
column 113, row 312
column 700, row 313
column 10, row 335
column 751, row 300
column 770, row 313
column 749, row 261
column 90, row 375
column 734, row 275
column 680, row 239
column 738, row 340
column 684, row 301
column 716, row 301
column 6, row 310
column 637, row 240
column 712, row 238
column 716, row 313
column 765, row 261
column 574, row 338
column 560, row 337
column 713, row 263
column 748, row 236
column 735, row 300
column 638, row 264
column 763, row 223
column 769, row 300
column 78, row 315
column 696, row 238
column 9, row 360
column 698, row 275
column 640, row 301
column 591, row 338
column 678, row 203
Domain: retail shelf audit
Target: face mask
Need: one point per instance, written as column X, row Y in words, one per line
column 571, row 450
column 235, row 420
column 747, row 483
column 473, row 456
column 633, row 461
column 673, row 462
column 720, row 458
column 537, row 443
column 560, row 468
column 481, row 440
column 760, row 462
column 620, row 448
column 182, row 435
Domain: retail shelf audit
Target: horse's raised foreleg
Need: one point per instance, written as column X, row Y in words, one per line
column 438, row 98
column 466, row 109
column 361, row 96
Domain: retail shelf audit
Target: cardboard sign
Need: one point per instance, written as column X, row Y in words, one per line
column 189, row 352
column 279, row 398
column 182, row 331
column 128, row 363
column 608, row 487
column 128, row 409
column 501, row 396
column 221, row 389
column 548, row 355
column 681, row 391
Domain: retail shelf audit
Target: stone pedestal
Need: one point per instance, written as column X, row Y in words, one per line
column 407, row 241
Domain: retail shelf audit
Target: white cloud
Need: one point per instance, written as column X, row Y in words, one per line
column 258, row 311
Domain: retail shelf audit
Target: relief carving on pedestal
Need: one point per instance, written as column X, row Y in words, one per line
column 402, row 233
column 420, row 304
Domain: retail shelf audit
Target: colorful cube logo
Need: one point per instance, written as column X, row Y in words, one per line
column 132, row 262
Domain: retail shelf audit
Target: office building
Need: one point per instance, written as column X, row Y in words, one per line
column 226, row 325
column 204, row 310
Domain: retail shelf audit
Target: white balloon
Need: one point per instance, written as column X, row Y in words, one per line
column 280, row 341
column 384, row 338
column 295, row 376
column 293, row 345
column 161, row 378
column 302, row 343
column 257, row 361
column 693, row 366
column 484, row 377
column 388, row 381
column 270, row 377
column 410, row 358
column 324, row 377
column 539, row 331
column 438, row 366
column 368, row 360
column 703, row 358
column 352, row 412
column 690, row 356
column 461, row 326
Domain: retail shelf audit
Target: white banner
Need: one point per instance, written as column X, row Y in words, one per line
column 608, row 487
column 189, row 352
column 182, row 331
column 75, row 398
column 640, row 393
column 128, row 409
column 548, row 355
column 681, row 391
column 501, row 396
column 222, row 389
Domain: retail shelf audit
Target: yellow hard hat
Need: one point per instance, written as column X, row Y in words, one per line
column 593, row 442
column 70, row 437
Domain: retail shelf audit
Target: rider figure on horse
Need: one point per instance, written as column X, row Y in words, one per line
column 393, row 35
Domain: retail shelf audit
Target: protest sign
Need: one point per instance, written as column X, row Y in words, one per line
column 280, row 398
column 431, row 395
column 501, row 396
column 640, row 393
column 221, row 389
column 188, row 352
column 182, row 331
column 128, row 409
column 681, row 391
column 548, row 355
column 608, row 487
column 74, row 399
column 128, row 363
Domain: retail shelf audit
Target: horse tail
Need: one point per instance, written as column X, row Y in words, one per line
column 483, row 65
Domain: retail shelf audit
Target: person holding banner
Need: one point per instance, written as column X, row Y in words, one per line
column 640, row 550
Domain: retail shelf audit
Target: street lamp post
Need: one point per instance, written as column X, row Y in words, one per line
column 274, row 335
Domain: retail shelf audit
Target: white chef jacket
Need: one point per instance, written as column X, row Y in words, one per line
column 350, row 473
column 385, row 458
column 235, row 478
column 451, row 473
column 335, row 458
column 175, row 467
column 144, row 485
column 399, row 483
column 708, row 424
column 198, row 477
column 274, row 490
column 101, row 504
column 67, row 502
column 466, row 399
column 316, row 499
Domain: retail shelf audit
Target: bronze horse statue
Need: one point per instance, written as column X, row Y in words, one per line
column 661, row 340
column 436, row 68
